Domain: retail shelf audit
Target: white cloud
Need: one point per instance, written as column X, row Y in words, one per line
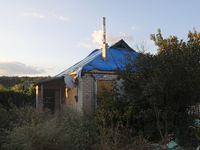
column 62, row 18
column 97, row 37
column 51, row 67
column 16, row 68
column 96, row 40
column 132, row 27
column 32, row 14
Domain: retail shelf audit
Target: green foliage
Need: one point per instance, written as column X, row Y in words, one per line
column 33, row 129
column 8, row 99
column 112, row 103
column 2, row 88
column 198, row 133
column 161, row 88
column 79, row 129
column 121, row 110
column 9, row 82
column 114, row 135
column 31, row 91
column 17, row 88
column 17, row 96
column 28, row 128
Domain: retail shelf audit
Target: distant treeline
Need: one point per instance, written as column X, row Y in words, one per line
column 9, row 82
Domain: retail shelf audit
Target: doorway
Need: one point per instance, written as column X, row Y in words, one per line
column 49, row 99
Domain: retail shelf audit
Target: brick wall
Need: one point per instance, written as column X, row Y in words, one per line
column 87, row 87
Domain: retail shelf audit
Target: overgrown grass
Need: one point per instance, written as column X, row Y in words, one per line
column 26, row 129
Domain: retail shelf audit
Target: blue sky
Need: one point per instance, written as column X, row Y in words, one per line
column 45, row 37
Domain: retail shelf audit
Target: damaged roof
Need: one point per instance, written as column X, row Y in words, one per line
column 116, row 53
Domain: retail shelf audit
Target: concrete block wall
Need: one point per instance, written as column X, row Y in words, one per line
column 87, row 87
column 85, row 94
column 39, row 96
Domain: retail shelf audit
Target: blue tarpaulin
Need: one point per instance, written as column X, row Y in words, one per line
column 94, row 60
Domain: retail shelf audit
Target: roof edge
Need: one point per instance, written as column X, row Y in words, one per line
column 121, row 43
column 49, row 80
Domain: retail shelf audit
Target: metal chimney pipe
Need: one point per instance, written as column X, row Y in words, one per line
column 104, row 46
column 104, row 29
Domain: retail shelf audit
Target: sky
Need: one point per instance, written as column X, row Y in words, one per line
column 45, row 37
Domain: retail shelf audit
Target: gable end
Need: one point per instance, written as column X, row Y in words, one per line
column 121, row 45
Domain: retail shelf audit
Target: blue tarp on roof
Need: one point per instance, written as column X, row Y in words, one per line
column 94, row 60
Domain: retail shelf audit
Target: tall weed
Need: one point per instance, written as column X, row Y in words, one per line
column 40, row 130
column 30, row 129
column 114, row 135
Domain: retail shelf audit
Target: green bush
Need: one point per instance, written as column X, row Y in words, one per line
column 32, row 129
column 27, row 128
column 11, row 98
column 114, row 135
column 123, row 111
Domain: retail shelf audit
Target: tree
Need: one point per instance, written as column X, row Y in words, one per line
column 16, row 97
column 17, row 88
column 2, row 88
column 164, row 86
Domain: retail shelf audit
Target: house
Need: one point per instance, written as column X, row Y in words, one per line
column 78, row 85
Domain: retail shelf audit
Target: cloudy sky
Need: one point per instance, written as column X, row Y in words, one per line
column 45, row 37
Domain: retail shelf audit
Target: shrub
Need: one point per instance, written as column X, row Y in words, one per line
column 114, row 135
column 10, row 98
column 27, row 128
column 32, row 129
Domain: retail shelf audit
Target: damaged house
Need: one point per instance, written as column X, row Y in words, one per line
column 79, row 85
